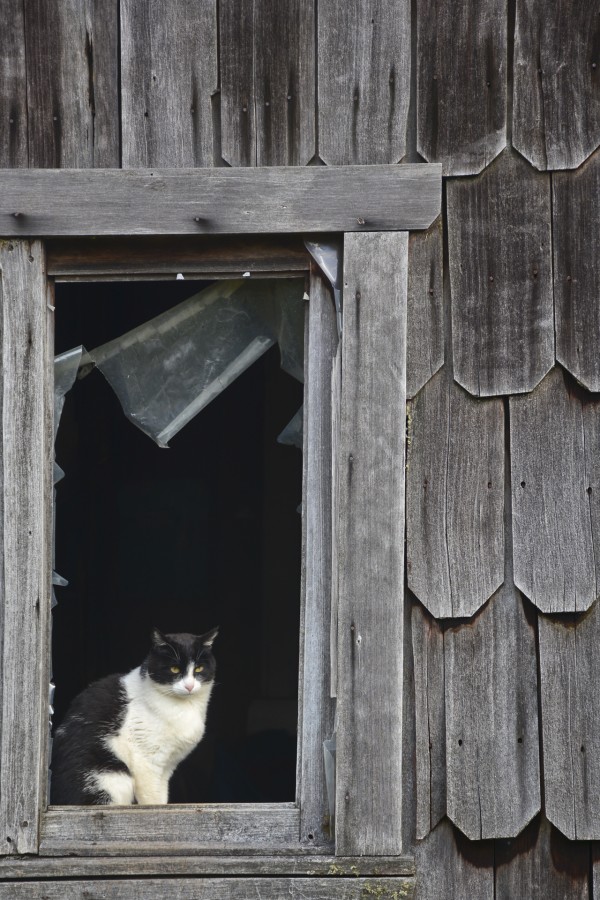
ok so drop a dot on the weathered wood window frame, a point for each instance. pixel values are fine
(367, 470)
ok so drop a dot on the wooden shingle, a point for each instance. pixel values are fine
(461, 83)
(576, 225)
(425, 344)
(166, 83)
(455, 498)
(500, 266)
(556, 113)
(555, 445)
(363, 80)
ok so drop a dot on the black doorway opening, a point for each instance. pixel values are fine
(205, 533)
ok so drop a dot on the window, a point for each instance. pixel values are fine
(365, 470)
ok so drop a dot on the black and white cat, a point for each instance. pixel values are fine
(124, 735)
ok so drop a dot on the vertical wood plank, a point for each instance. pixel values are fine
(455, 498)
(575, 217)
(425, 344)
(284, 73)
(492, 734)
(570, 673)
(461, 83)
(556, 113)
(371, 542)
(168, 76)
(541, 862)
(555, 440)
(13, 87)
(430, 716)
(499, 243)
(72, 83)
(318, 708)
(364, 80)
(236, 63)
(449, 867)
(26, 464)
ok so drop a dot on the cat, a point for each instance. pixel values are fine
(124, 735)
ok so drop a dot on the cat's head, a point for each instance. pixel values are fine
(181, 664)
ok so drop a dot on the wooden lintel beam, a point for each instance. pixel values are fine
(273, 200)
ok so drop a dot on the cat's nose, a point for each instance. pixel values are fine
(189, 685)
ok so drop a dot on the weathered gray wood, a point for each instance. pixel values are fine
(556, 114)
(336, 411)
(225, 864)
(430, 716)
(284, 76)
(500, 264)
(425, 345)
(542, 863)
(230, 256)
(212, 889)
(218, 201)
(370, 546)
(72, 82)
(317, 720)
(13, 87)
(188, 829)
(168, 77)
(409, 735)
(363, 80)
(575, 217)
(451, 868)
(555, 440)
(26, 447)
(236, 66)
(455, 498)
(570, 669)
(492, 737)
(461, 83)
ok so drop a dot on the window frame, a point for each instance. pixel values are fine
(367, 421)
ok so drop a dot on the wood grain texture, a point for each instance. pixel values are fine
(168, 76)
(284, 78)
(430, 715)
(499, 242)
(189, 829)
(425, 345)
(317, 708)
(363, 80)
(370, 546)
(72, 82)
(211, 889)
(451, 868)
(275, 199)
(556, 111)
(224, 864)
(13, 87)
(575, 217)
(236, 67)
(26, 563)
(461, 83)
(555, 440)
(541, 862)
(570, 669)
(492, 734)
(455, 498)
(230, 256)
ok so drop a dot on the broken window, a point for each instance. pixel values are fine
(205, 533)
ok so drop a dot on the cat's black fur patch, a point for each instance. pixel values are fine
(78, 746)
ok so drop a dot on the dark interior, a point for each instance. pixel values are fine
(205, 533)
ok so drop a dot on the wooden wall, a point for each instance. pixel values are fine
(502, 755)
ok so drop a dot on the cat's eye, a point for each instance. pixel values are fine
(199, 669)
(175, 670)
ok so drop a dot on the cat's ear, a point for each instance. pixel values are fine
(158, 638)
(207, 639)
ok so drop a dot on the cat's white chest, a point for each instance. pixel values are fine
(158, 731)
